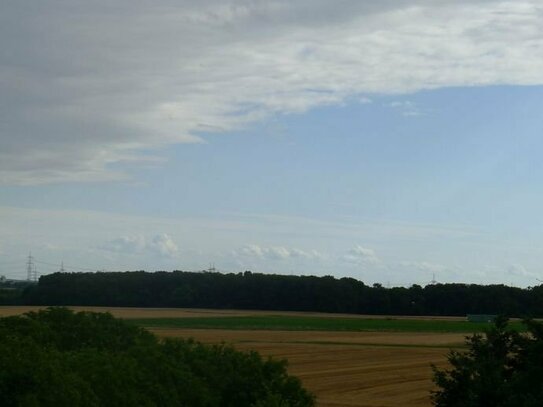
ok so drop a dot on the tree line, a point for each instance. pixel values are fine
(278, 292)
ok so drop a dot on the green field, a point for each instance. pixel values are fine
(300, 323)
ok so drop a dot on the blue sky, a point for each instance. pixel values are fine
(389, 143)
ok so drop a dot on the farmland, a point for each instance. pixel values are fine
(345, 360)
(301, 323)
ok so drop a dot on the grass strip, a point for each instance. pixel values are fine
(363, 344)
(297, 323)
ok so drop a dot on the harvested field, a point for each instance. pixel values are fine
(344, 369)
(360, 376)
(236, 337)
(133, 312)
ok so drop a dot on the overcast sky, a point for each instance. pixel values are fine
(384, 140)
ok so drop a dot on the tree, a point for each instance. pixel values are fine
(502, 368)
(57, 357)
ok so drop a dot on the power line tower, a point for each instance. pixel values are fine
(434, 281)
(61, 270)
(31, 271)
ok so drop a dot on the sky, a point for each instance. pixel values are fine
(397, 141)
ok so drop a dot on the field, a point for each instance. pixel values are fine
(345, 360)
(302, 323)
(133, 313)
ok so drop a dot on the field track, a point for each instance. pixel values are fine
(344, 369)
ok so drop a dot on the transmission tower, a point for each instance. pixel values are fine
(31, 271)
(61, 270)
(434, 281)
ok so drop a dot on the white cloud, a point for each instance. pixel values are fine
(276, 253)
(406, 107)
(87, 86)
(425, 266)
(126, 244)
(77, 238)
(161, 245)
(164, 245)
(362, 255)
(518, 270)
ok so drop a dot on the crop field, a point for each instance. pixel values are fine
(370, 369)
(300, 323)
(139, 313)
(345, 360)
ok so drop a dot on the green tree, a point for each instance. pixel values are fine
(501, 368)
(57, 358)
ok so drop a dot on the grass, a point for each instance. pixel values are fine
(366, 344)
(299, 323)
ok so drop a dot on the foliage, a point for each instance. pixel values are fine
(60, 358)
(302, 323)
(502, 368)
(278, 292)
(11, 291)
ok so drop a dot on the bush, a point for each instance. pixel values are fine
(60, 358)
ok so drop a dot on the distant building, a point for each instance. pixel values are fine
(481, 317)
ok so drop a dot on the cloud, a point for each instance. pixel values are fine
(425, 266)
(361, 255)
(161, 245)
(518, 270)
(276, 253)
(126, 244)
(406, 107)
(164, 245)
(89, 88)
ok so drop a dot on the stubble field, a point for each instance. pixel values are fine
(345, 364)
(343, 369)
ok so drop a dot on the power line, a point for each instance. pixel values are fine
(31, 271)
(12, 275)
(10, 262)
(65, 267)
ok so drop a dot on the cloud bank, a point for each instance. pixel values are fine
(159, 245)
(91, 89)
(276, 253)
(362, 256)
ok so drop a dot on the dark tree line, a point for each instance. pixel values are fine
(279, 292)
(60, 358)
(11, 291)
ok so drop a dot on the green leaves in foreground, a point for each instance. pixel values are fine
(60, 358)
(502, 368)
